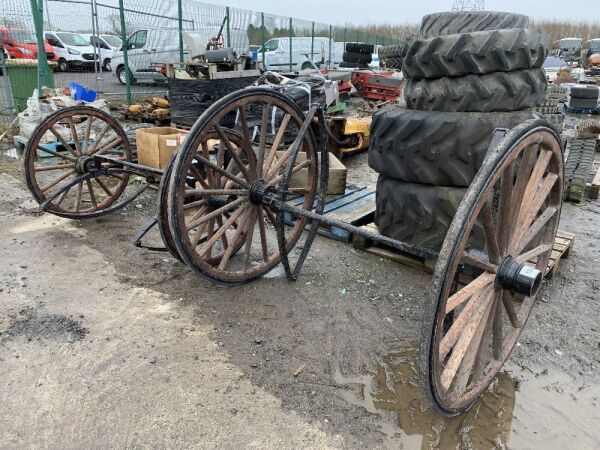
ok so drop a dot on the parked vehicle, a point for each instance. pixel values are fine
(106, 45)
(277, 53)
(591, 47)
(73, 51)
(568, 48)
(149, 50)
(23, 44)
(552, 65)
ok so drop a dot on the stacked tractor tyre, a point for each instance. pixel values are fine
(468, 74)
(357, 55)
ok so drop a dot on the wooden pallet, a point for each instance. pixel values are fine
(563, 243)
(355, 206)
(593, 186)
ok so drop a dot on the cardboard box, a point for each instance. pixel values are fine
(156, 145)
(337, 174)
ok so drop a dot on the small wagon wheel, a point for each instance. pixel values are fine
(210, 142)
(483, 296)
(231, 211)
(82, 133)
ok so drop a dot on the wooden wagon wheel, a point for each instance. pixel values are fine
(230, 210)
(483, 296)
(81, 133)
(210, 142)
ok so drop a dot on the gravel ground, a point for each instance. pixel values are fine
(104, 344)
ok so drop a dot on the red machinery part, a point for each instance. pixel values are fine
(377, 86)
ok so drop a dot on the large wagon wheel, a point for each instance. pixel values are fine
(472, 326)
(230, 207)
(192, 201)
(81, 134)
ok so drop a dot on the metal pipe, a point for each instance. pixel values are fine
(262, 37)
(228, 26)
(95, 45)
(273, 202)
(180, 27)
(291, 31)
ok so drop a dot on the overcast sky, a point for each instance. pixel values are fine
(398, 11)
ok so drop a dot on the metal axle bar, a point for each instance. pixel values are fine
(414, 250)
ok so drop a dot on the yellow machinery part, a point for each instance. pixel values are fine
(160, 102)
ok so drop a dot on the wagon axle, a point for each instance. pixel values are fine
(223, 210)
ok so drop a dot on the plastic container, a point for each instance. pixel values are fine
(23, 76)
(79, 92)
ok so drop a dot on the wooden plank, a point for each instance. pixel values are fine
(222, 75)
(594, 189)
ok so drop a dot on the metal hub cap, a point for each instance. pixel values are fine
(85, 164)
(518, 278)
(258, 189)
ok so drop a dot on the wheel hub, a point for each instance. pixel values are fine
(258, 189)
(518, 278)
(86, 164)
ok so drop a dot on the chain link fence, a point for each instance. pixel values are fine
(84, 42)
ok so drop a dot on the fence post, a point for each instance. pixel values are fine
(37, 10)
(345, 38)
(357, 36)
(180, 25)
(291, 33)
(312, 42)
(262, 37)
(228, 26)
(6, 83)
(330, 65)
(125, 44)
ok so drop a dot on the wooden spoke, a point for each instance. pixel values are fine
(527, 216)
(297, 168)
(209, 173)
(537, 251)
(490, 233)
(196, 238)
(86, 136)
(217, 212)
(535, 228)
(99, 137)
(234, 155)
(224, 241)
(62, 197)
(471, 356)
(465, 316)
(195, 217)
(62, 141)
(249, 235)
(462, 344)
(223, 172)
(270, 215)
(194, 204)
(507, 300)
(55, 167)
(484, 348)
(504, 208)
(263, 140)
(78, 196)
(497, 325)
(247, 142)
(476, 261)
(470, 289)
(92, 194)
(263, 234)
(74, 135)
(104, 186)
(215, 236)
(279, 164)
(199, 178)
(277, 142)
(57, 180)
(237, 235)
(112, 144)
(54, 153)
(209, 192)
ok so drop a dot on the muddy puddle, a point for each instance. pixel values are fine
(520, 410)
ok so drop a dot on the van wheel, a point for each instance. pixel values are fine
(63, 65)
(121, 76)
(106, 65)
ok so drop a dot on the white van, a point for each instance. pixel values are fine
(277, 53)
(106, 45)
(72, 50)
(149, 50)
